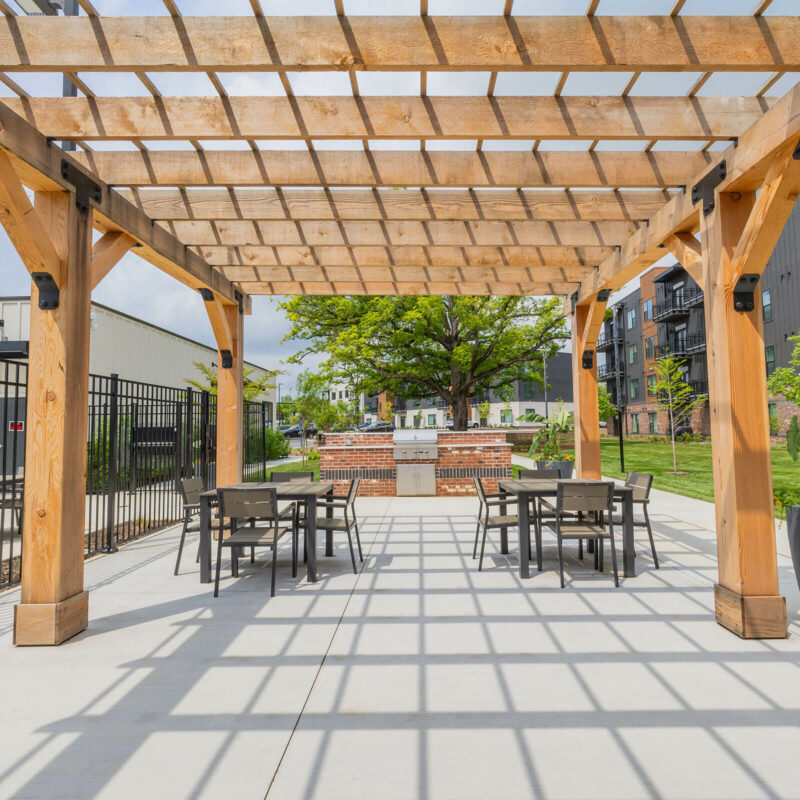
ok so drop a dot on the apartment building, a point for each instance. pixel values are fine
(527, 396)
(665, 316)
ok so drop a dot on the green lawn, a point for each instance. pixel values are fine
(694, 458)
(297, 466)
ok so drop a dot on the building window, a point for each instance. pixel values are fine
(769, 352)
(631, 353)
(506, 417)
(650, 347)
(634, 388)
(773, 418)
(631, 318)
(653, 419)
(647, 309)
(766, 304)
(432, 419)
(634, 422)
(651, 384)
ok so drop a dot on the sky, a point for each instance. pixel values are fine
(137, 288)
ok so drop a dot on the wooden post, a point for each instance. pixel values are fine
(54, 605)
(226, 321)
(747, 599)
(584, 391)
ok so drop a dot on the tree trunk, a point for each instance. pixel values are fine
(460, 412)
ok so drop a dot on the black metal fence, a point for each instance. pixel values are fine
(13, 398)
(142, 439)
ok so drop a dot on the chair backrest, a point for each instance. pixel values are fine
(190, 489)
(285, 477)
(584, 496)
(353, 490)
(479, 489)
(537, 474)
(247, 503)
(641, 483)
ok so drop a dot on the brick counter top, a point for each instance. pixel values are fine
(462, 455)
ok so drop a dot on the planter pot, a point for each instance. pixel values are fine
(565, 468)
(793, 529)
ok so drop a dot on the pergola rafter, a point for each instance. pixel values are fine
(509, 189)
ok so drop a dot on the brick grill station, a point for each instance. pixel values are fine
(461, 456)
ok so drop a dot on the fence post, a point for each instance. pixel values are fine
(111, 489)
(178, 451)
(204, 437)
(264, 437)
(188, 461)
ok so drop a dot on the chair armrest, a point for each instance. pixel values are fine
(188, 506)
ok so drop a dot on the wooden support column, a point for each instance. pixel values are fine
(226, 320)
(54, 605)
(586, 323)
(747, 599)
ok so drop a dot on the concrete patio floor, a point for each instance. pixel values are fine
(418, 678)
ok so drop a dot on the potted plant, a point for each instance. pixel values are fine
(546, 441)
(786, 381)
(483, 413)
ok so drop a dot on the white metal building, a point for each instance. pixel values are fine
(133, 349)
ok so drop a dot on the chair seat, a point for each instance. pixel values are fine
(331, 524)
(502, 521)
(579, 530)
(255, 536)
(193, 527)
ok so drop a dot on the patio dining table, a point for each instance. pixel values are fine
(534, 488)
(307, 492)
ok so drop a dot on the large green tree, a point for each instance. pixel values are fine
(432, 346)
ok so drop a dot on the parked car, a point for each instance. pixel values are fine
(449, 424)
(378, 427)
(603, 424)
(293, 431)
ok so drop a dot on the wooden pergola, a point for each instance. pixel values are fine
(501, 192)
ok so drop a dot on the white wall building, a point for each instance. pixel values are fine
(133, 349)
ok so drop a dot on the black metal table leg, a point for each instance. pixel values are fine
(311, 538)
(524, 527)
(205, 540)
(628, 560)
(328, 531)
(504, 529)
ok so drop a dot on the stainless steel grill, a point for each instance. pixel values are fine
(416, 445)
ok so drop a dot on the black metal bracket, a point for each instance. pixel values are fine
(48, 290)
(573, 301)
(603, 295)
(796, 154)
(587, 360)
(206, 294)
(744, 291)
(227, 359)
(85, 188)
(705, 188)
(240, 301)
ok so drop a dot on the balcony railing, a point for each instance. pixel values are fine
(699, 387)
(607, 341)
(675, 346)
(608, 371)
(677, 304)
(696, 343)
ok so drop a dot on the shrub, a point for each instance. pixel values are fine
(277, 444)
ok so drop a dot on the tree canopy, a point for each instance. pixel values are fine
(429, 346)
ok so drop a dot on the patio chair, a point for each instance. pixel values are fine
(190, 493)
(486, 521)
(299, 509)
(254, 506)
(541, 513)
(641, 483)
(344, 523)
(591, 501)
